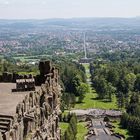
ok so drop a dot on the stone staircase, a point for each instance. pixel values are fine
(5, 122)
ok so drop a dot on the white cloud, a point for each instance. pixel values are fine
(68, 8)
(6, 2)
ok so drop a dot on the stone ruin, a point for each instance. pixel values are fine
(24, 85)
(36, 115)
(12, 77)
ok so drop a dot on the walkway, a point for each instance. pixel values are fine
(100, 131)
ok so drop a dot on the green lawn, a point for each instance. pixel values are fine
(24, 58)
(27, 73)
(81, 130)
(91, 101)
(120, 130)
(86, 65)
(63, 127)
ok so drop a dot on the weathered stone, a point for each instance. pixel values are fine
(45, 67)
(1, 136)
(36, 116)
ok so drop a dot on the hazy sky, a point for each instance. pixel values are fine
(40, 9)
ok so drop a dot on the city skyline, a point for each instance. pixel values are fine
(44, 9)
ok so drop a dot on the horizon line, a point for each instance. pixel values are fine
(66, 18)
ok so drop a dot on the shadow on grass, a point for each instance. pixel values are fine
(102, 100)
(95, 98)
(106, 101)
(80, 102)
(130, 138)
(93, 90)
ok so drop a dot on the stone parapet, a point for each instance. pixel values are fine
(36, 116)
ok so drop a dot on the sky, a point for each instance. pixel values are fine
(44, 9)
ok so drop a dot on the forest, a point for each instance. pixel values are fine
(120, 78)
(112, 75)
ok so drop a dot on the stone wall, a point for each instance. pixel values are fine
(24, 85)
(36, 117)
(12, 77)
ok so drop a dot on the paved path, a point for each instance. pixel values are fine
(101, 132)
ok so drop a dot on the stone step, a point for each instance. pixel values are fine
(2, 127)
(5, 123)
(5, 118)
(2, 131)
(107, 131)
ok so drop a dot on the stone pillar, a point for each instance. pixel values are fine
(21, 129)
(1, 136)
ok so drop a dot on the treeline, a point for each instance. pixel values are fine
(120, 78)
(73, 81)
(131, 119)
(130, 54)
(116, 78)
(11, 66)
(71, 131)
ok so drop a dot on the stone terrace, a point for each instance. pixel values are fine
(8, 99)
(32, 114)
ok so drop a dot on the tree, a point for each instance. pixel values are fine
(113, 76)
(134, 106)
(101, 87)
(137, 83)
(82, 90)
(68, 100)
(120, 100)
(124, 120)
(73, 124)
(70, 133)
(130, 80)
(110, 90)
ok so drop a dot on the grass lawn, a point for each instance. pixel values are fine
(86, 65)
(120, 130)
(24, 73)
(30, 58)
(25, 58)
(91, 101)
(81, 130)
(63, 126)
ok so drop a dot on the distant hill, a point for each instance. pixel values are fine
(80, 23)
